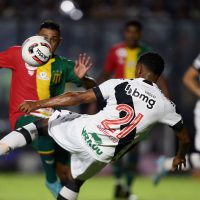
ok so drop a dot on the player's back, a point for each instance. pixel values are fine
(129, 103)
(133, 107)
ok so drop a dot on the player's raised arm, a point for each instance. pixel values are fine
(82, 65)
(66, 99)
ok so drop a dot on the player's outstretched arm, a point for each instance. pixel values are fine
(184, 142)
(66, 99)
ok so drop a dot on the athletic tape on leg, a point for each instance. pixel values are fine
(68, 194)
(32, 129)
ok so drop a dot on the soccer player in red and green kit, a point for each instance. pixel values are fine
(41, 83)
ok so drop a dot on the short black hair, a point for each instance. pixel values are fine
(135, 23)
(50, 24)
(153, 61)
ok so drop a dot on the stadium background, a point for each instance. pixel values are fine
(171, 28)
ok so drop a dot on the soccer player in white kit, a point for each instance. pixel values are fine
(133, 107)
(191, 80)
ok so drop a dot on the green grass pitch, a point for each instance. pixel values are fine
(26, 187)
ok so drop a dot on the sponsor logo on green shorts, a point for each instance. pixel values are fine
(93, 141)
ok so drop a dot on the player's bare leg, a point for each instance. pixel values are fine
(63, 172)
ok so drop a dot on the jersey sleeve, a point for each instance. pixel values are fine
(196, 63)
(171, 116)
(104, 90)
(110, 61)
(70, 75)
(7, 59)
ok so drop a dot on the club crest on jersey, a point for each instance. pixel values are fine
(57, 77)
(121, 54)
(43, 76)
(93, 141)
(135, 93)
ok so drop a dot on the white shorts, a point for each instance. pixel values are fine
(65, 129)
(197, 125)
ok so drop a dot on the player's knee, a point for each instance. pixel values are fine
(42, 126)
(29, 132)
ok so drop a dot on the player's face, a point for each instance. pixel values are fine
(52, 36)
(132, 36)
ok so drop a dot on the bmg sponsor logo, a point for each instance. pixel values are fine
(149, 101)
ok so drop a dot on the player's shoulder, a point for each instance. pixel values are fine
(169, 105)
(145, 48)
(65, 61)
(111, 83)
(113, 80)
(117, 46)
(14, 49)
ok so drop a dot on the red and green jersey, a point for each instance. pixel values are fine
(121, 60)
(44, 82)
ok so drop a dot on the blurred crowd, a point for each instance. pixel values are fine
(103, 9)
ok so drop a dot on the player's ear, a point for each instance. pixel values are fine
(138, 70)
(60, 40)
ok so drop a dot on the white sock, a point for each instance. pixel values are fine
(16, 139)
(195, 160)
(118, 181)
(168, 164)
(68, 194)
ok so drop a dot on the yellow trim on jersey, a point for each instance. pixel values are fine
(43, 80)
(46, 152)
(131, 60)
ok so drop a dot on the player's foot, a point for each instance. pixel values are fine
(4, 149)
(118, 192)
(130, 196)
(54, 188)
(133, 197)
(160, 170)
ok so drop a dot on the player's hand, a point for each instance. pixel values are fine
(82, 65)
(28, 106)
(178, 163)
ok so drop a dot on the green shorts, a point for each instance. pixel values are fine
(45, 145)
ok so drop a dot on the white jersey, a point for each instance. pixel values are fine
(196, 63)
(132, 108)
